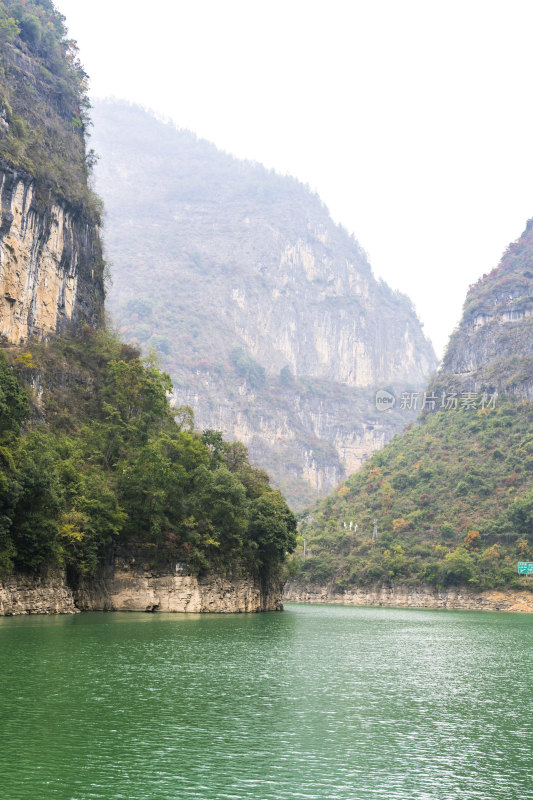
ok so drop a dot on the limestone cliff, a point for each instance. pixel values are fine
(51, 268)
(50, 262)
(30, 594)
(133, 578)
(265, 313)
(309, 434)
(133, 588)
(124, 590)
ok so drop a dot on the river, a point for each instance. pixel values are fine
(318, 702)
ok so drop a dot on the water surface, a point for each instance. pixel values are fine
(318, 702)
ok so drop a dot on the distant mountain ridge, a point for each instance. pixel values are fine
(265, 313)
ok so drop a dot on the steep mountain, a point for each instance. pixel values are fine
(265, 313)
(450, 501)
(109, 499)
(492, 349)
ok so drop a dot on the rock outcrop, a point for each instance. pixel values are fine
(30, 594)
(50, 262)
(453, 597)
(51, 267)
(146, 591)
(127, 589)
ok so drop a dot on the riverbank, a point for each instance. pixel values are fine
(124, 590)
(121, 590)
(453, 597)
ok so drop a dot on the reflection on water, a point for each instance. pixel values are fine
(319, 702)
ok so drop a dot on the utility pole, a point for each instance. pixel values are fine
(375, 531)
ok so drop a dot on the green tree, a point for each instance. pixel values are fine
(219, 502)
(272, 528)
(520, 515)
(458, 566)
(14, 406)
(35, 520)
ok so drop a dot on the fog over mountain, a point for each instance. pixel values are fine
(265, 313)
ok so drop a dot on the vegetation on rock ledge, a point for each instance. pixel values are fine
(43, 102)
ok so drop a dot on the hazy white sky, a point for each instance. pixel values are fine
(411, 118)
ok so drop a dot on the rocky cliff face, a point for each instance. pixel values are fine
(264, 312)
(492, 349)
(132, 581)
(309, 434)
(50, 262)
(124, 588)
(51, 268)
(28, 594)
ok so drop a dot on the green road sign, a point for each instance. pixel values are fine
(525, 567)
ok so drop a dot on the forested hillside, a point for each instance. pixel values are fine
(98, 458)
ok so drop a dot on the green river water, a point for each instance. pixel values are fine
(318, 702)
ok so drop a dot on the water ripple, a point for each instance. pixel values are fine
(319, 702)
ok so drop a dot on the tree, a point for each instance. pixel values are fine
(272, 528)
(520, 514)
(472, 540)
(285, 376)
(458, 566)
(14, 406)
(34, 526)
(218, 503)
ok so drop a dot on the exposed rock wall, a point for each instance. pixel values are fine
(412, 597)
(313, 441)
(26, 594)
(50, 263)
(125, 590)
(182, 593)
